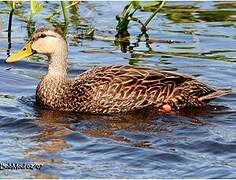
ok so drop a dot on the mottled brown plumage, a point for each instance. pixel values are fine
(119, 89)
(112, 89)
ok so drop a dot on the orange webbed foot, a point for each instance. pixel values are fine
(166, 109)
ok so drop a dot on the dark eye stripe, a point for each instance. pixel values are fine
(52, 35)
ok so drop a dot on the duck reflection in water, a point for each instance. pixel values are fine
(55, 126)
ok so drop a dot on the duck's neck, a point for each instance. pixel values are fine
(57, 64)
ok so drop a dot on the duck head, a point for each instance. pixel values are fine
(46, 41)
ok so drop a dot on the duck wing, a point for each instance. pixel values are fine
(115, 89)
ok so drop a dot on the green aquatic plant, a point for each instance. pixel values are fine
(154, 13)
(63, 10)
(35, 8)
(65, 13)
(13, 7)
(126, 15)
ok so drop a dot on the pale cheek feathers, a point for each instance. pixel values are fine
(43, 47)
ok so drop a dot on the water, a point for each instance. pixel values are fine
(197, 38)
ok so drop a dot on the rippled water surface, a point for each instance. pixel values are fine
(197, 38)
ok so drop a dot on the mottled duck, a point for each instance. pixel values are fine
(109, 89)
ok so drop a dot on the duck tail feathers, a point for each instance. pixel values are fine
(217, 93)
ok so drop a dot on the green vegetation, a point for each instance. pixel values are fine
(124, 18)
(127, 15)
(13, 7)
(36, 8)
(135, 18)
(129, 10)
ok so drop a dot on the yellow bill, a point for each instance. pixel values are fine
(24, 52)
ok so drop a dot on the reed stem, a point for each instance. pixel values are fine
(154, 13)
(13, 6)
(65, 13)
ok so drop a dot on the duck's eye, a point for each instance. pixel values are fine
(42, 35)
